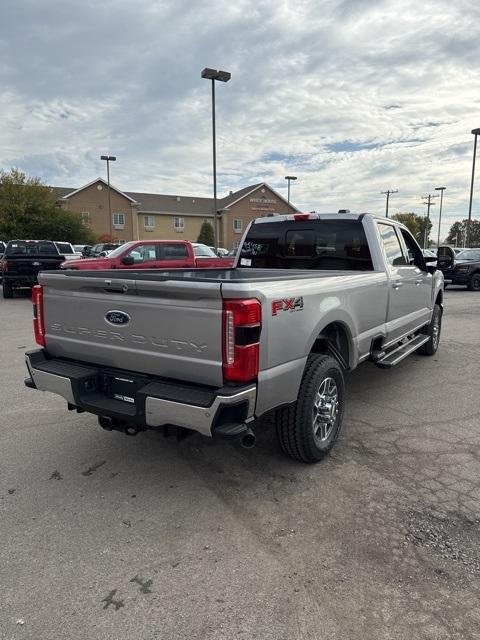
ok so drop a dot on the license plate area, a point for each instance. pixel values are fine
(122, 387)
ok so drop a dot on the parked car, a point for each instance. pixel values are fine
(310, 298)
(153, 254)
(23, 260)
(68, 250)
(96, 250)
(428, 253)
(2, 251)
(220, 251)
(462, 268)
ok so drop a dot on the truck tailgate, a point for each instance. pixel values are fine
(30, 266)
(164, 328)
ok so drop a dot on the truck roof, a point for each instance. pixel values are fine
(322, 216)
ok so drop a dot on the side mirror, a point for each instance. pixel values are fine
(431, 268)
(446, 257)
(128, 260)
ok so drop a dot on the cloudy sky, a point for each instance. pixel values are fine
(352, 96)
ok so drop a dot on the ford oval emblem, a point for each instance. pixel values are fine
(117, 318)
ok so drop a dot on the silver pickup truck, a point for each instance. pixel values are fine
(311, 296)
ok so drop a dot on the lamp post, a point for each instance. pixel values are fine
(441, 189)
(475, 132)
(222, 76)
(108, 160)
(289, 179)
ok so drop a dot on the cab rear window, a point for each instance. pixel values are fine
(307, 244)
(30, 248)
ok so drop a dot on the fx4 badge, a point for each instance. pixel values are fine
(287, 304)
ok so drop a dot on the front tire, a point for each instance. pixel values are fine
(308, 429)
(474, 282)
(433, 330)
(7, 290)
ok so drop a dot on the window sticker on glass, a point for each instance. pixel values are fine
(245, 262)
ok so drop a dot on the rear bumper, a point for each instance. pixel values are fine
(19, 280)
(151, 403)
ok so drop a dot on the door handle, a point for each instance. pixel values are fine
(419, 281)
(397, 285)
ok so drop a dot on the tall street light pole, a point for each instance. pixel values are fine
(475, 132)
(441, 189)
(289, 179)
(388, 194)
(108, 160)
(222, 76)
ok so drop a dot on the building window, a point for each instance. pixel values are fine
(179, 224)
(149, 223)
(85, 216)
(238, 225)
(119, 220)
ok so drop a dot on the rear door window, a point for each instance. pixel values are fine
(174, 251)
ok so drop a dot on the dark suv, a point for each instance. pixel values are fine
(97, 249)
(463, 268)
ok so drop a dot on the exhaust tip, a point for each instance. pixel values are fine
(248, 440)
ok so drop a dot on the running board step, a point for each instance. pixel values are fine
(392, 358)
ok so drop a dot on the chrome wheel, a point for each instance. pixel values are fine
(325, 409)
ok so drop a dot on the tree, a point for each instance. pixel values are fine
(206, 235)
(458, 233)
(28, 210)
(415, 224)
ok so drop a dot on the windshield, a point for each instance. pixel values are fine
(202, 251)
(64, 247)
(469, 254)
(119, 250)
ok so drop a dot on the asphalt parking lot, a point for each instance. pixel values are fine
(106, 536)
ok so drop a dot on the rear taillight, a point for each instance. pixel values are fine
(38, 315)
(242, 323)
(4, 266)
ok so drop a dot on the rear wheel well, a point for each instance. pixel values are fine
(334, 340)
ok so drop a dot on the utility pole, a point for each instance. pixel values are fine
(429, 204)
(388, 193)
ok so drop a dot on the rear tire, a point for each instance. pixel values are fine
(7, 290)
(433, 330)
(474, 282)
(308, 429)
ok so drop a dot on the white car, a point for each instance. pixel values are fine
(66, 249)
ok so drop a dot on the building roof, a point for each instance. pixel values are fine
(176, 204)
(158, 202)
(85, 186)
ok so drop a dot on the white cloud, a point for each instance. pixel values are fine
(353, 97)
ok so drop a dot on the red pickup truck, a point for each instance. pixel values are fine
(154, 254)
